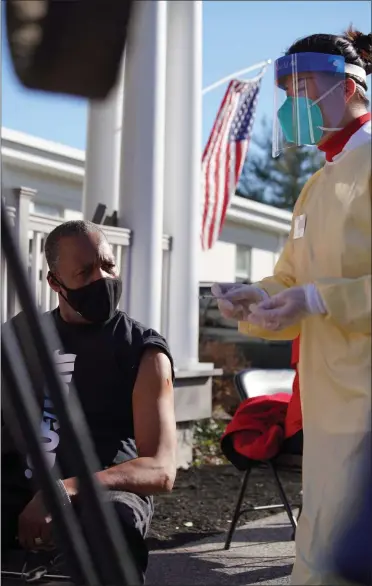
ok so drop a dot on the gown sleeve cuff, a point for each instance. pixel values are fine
(314, 301)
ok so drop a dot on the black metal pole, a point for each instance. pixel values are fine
(101, 525)
(20, 396)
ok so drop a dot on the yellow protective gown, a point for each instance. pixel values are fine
(335, 357)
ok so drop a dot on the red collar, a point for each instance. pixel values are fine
(334, 145)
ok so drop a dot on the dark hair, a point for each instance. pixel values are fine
(354, 46)
(71, 228)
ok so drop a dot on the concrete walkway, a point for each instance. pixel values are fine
(261, 553)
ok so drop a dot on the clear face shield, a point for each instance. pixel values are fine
(309, 99)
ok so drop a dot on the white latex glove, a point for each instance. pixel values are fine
(287, 308)
(234, 299)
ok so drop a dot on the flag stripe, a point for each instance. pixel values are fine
(231, 174)
(207, 159)
(222, 158)
(214, 175)
(224, 155)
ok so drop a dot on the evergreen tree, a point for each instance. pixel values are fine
(276, 181)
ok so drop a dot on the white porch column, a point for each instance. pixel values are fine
(183, 154)
(102, 164)
(142, 168)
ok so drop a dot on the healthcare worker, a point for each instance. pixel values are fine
(321, 287)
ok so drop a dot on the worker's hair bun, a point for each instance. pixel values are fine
(363, 46)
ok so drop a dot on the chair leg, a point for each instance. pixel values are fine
(298, 518)
(237, 509)
(283, 496)
(299, 513)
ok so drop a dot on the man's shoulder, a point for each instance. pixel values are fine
(138, 335)
(124, 324)
(19, 321)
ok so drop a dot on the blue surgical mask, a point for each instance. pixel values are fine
(308, 121)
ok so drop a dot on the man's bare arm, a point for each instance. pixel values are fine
(154, 470)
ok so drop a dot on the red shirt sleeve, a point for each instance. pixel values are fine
(293, 421)
(295, 358)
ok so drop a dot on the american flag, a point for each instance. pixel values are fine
(224, 155)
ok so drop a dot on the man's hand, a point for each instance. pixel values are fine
(34, 525)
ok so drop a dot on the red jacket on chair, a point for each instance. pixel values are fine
(261, 424)
(256, 430)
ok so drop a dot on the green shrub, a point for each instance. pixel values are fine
(207, 437)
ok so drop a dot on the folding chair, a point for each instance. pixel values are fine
(255, 383)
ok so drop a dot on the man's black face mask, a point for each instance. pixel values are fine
(95, 302)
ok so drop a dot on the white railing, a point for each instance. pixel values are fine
(37, 227)
(8, 301)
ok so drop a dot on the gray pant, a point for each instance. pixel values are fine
(135, 514)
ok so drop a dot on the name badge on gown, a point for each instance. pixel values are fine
(299, 226)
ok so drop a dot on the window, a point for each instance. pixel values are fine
(243, 263)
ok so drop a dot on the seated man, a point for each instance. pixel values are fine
(123, 375)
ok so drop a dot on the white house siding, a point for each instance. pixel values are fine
(218, 264)
(52, 191)
(265, 247)
(263, 263)
(246, 235)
